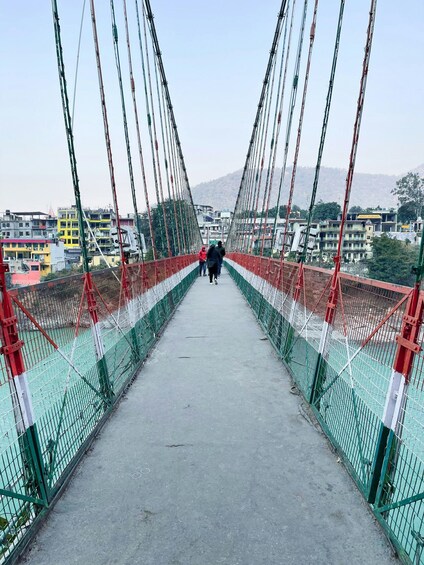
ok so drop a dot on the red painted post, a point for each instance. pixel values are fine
(11, 349)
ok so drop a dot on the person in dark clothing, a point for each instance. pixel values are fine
(213, 258)
(221, 251)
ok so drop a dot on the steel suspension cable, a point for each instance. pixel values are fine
(252, 180)
(291, 111)
(74, 95)
(109, 148)
(69, 135)
(196, 233)
(88, 290)
(154, 137)
(125, 121)
(275, 121)
(271, 169)
(262, 147)
(303, 256)
(334, 293)
(176, 184)
(299, 128)
(165, 158)
(171, 164)
(266, 200)
(356, 130)
(253, 177)
(277, 34)
(137, 124)
(149, 121)
(171, 174)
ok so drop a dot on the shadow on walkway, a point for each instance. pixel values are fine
(210, 460)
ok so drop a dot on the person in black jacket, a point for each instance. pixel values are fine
(221, 251)
(213, 256)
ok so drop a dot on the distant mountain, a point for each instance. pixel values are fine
(419, 170)
(367, 189)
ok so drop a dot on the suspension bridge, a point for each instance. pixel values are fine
(273, 418)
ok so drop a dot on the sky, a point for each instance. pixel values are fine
(215, 54)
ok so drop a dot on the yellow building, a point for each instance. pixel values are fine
(100, 222)
(47, 254)
(67, 227)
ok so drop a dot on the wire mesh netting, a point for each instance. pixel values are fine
(348, 380)
(76, 366)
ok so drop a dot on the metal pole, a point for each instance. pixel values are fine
(11, 348)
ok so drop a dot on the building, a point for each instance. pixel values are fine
(214, 224)
(356, 244)
(203, 209)
(67, 227)
(27, 225)
(13, 226)
(381, 220)
(44, 225)
(98, 234)
(30, 259)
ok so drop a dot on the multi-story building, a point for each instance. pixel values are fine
(214, 224)
(28, 225)
(203, 209)
(67, 227)
(98, 234)
(30, 259)
(43, 225)
(381, 220)
(10, 225)
(356, 244)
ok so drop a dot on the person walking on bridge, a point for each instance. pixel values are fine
(221, 251)
(202, 261)
(213, 257)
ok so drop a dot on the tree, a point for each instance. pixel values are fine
(326, 211)
(410, 190)
(296, 212)
(407, 213)
(180, 227)
(392, 261)
(355, 210)
(9, 280)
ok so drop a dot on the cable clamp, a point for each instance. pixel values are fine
(6, 322)
(403, 342)
(411, 321)
(8, 349)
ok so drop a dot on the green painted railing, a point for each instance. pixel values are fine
(347, 389)
(72, 389)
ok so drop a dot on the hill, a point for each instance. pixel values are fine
(367, 190)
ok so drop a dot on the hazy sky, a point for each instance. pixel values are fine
(215, 54)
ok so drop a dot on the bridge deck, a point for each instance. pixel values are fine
(209, 459)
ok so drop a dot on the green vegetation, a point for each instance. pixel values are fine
(296, 212)
(326, 211)
(180, 223)
(392, 261)
(8, 280)
(356, 210)
(407, 213)
(410, 192)
(69, 272)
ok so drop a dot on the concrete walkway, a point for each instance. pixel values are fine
(209, 459)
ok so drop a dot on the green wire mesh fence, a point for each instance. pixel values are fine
(348, 391)
(73, 389)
